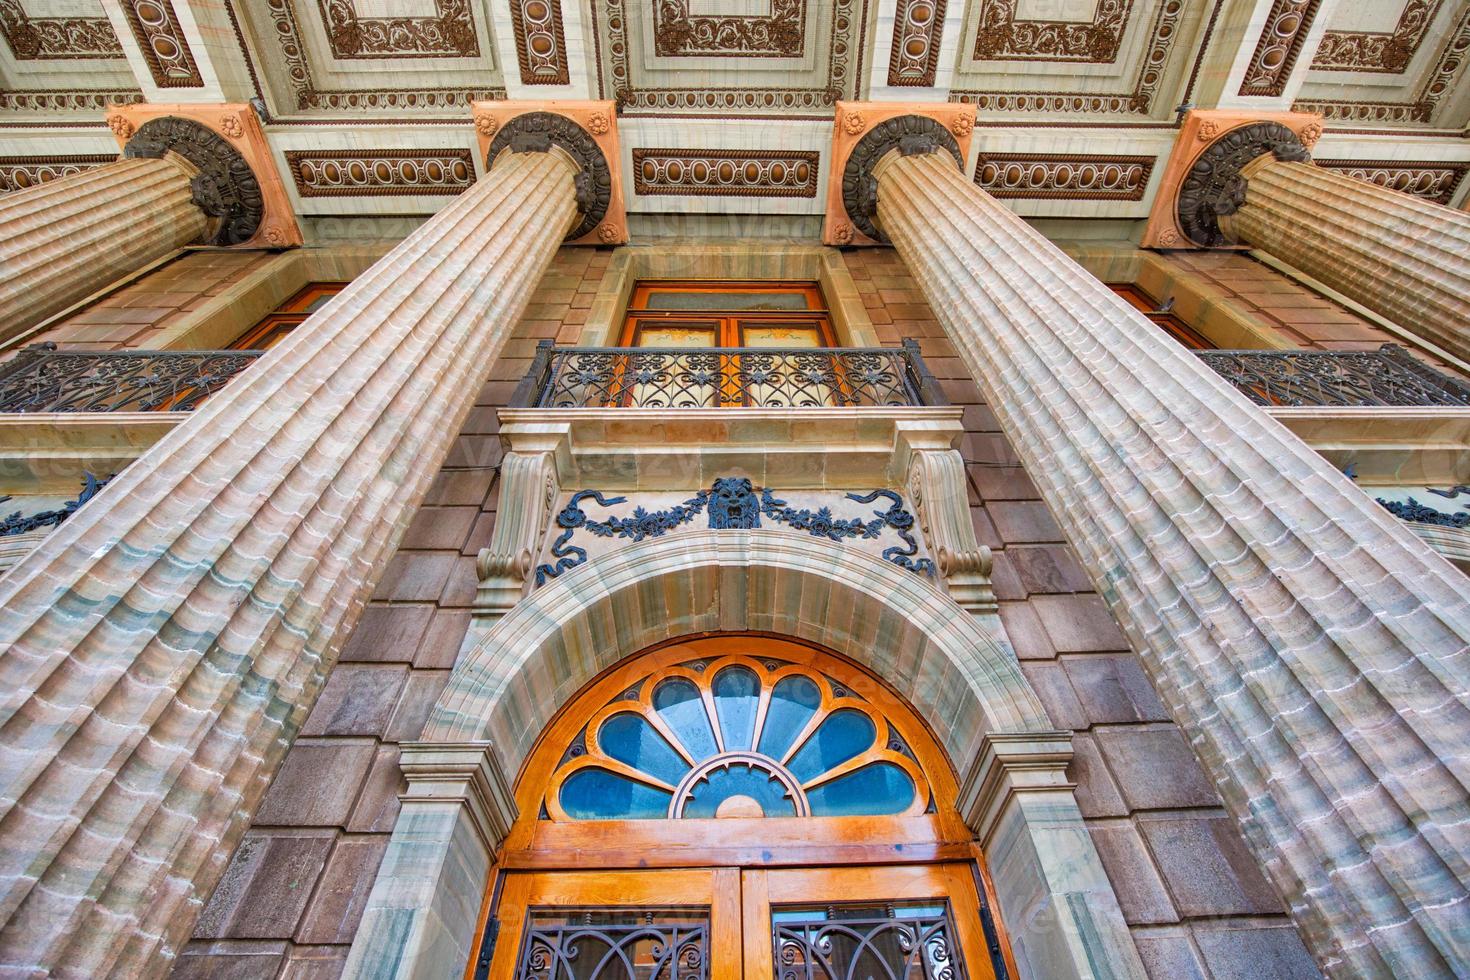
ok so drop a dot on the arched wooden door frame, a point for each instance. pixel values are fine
(955, 669)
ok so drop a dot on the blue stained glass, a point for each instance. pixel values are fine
(739, 780)
(630, 738)
(678, 703)
(876, 789)
(794, 700)
(842, 735)
(596, 794)
(737, 694)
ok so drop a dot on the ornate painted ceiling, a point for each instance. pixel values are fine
(726, 105)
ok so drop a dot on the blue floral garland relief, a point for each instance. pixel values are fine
(1413, 510)
(732, 502)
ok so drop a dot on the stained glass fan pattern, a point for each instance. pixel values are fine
(736, 737)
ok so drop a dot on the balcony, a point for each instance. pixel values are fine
(1387, 377)
(43, 379)
(727, 377)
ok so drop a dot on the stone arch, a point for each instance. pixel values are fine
(960, 676)
(956, 670)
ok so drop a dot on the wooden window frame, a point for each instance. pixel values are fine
(289, 315)
(1170, 323)
(729, 329)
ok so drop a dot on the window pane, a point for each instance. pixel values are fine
(876, 789)
(737, 694)
(678, 702)
(843, 735)
(596, 794)
(739, 790)
(682, 336)
(891, 940)
(615, 944)
(733, 301)
(780, 335)
(794, 700)
(630, 738)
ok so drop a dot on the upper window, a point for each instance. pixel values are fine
(287, 317)
(736, 736)
(706, 314)
(1170, 322)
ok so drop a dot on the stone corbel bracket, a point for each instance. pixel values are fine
(938, 491)
(865, 132)
(222, 141)
(1204, 169)
(529, 486)
(600, 183)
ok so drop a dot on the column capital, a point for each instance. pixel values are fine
(587, 132)
(1203, 180)
(1009, 763)
(863, 133)
(237, 183)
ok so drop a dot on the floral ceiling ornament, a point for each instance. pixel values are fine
(854, 123)
(842, 235)
(486, 125)
(1310, 134)
(120, 126)
(609, 233)
(232, 127)
(962, 125)
(1208, 130)
(598, 124)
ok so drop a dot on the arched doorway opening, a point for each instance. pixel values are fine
(738, 806)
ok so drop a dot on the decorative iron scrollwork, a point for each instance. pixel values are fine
(1387, 376)
(910, 136)
(648, 943)
(225, 186)
(44, 379)
(643, 377)
(18, 523)
(537, 132)
(1214, 186)
(733, 503)
(841, 944)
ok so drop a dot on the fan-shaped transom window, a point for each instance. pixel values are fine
(737, 736)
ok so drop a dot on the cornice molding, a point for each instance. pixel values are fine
(56, 38)
(1287, 25)
(1378, 51)
(1001, 36)
(541, 43)
(1431, 180)
(161, 40)
(19, 172)
(381, 173)
(918, 27)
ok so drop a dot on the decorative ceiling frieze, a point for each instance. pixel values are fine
(286, 32)
(1439, 83)
(760, 80)
(1002, 36)
(380, 173)
(450, 33)
(1432, 180)
(73, 100)
(726, 173)
(162, 41)
(18, 173)
(541, 44)
(1163, 33)
(49, 38)
(1378, 51)
(1064, 176)
(918, 26)
(679, 33)
(1282, 36)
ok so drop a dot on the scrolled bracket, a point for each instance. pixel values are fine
(538, 132)
(910, 136)
(1215, 186)
(225, 187)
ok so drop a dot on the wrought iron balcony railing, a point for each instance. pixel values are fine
(1387, 376)
(43, 379)
(727, 377)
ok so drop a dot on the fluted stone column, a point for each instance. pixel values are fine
(65, 239)
(162, 648)
(1316, 653)
(1402, 257)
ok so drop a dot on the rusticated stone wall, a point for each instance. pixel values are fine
(291, 900)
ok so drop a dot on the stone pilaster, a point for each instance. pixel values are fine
(1313, 649)
(1402, 257)
(162, 648)
(63, 240)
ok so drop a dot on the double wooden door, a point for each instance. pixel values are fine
(911, 922)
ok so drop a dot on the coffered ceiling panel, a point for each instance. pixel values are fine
(60, 56)
(1396, 62)
(325, 57)
(1116, 59)
(729, 56)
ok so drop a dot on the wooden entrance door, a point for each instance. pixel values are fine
(917, 922)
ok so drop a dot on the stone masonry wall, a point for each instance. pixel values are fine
(291, 899)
